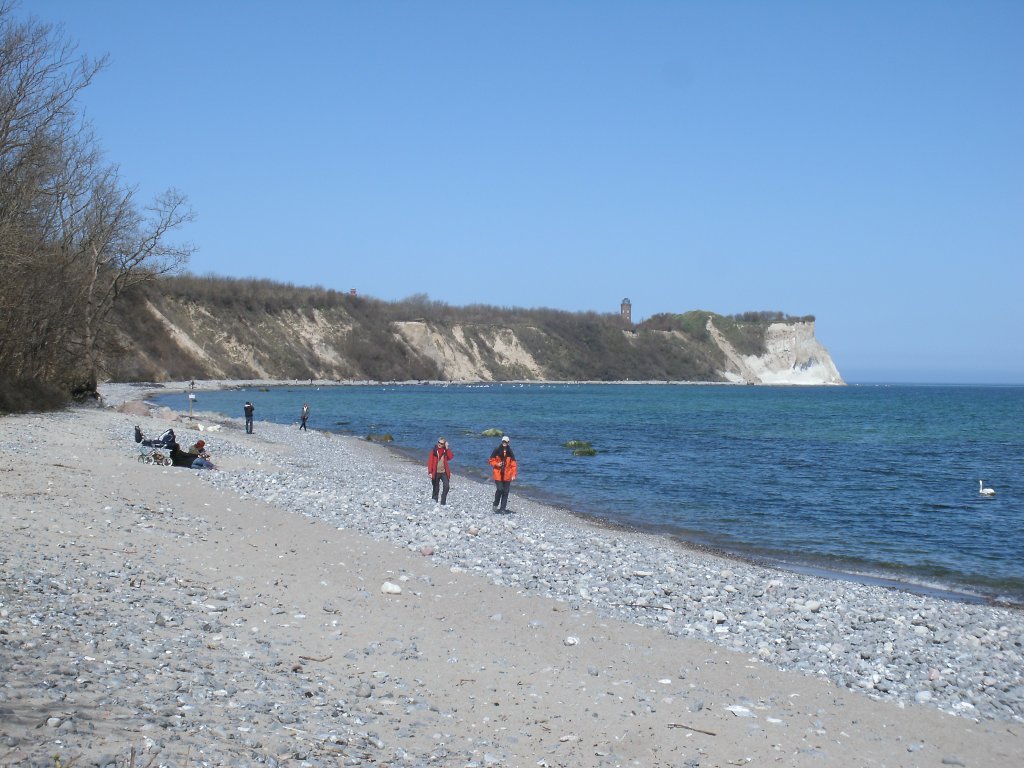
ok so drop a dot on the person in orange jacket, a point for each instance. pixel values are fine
(438, 469)
(503, 470)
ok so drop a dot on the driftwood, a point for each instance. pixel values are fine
(313, 658)
(691, 728)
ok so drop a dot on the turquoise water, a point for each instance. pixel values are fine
(879, 482)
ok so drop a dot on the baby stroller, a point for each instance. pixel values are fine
(155, 451)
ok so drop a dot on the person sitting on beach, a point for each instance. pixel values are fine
(180, 458)
(202, 460)
(191, 458)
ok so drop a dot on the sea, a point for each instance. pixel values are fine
(873, 483)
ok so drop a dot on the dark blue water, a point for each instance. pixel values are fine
(874, 481)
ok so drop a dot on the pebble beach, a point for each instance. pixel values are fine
(308, 604)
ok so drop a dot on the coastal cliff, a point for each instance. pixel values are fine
(793, 355)
(239, 331)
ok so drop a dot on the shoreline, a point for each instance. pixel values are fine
(307, 604)
(660, 547)
(218, 384)
(847, 572)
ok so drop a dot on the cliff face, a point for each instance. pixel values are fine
(463, 356)
(794, 356)
(171, 338)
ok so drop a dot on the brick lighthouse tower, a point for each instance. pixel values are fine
(626, 311)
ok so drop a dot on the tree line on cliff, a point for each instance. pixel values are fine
(188, 326)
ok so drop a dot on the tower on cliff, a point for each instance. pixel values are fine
(626, 311)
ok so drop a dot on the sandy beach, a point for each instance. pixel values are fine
(307, 604)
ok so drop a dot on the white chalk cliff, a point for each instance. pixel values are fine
(793, 356)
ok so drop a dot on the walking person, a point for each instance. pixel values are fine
(304, 415)
(248, 409)
(503, 470)
(438, 469)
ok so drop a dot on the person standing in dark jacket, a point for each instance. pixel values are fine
(304, 416)
(438, 469)
(248, 409)
(503, 470)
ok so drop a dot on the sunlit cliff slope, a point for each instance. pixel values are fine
(211, 328)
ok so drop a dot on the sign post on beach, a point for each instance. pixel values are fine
(191, 399)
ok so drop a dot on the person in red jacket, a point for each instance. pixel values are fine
(503, 470)
(438, 469)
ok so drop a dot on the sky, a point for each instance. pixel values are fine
(862, 162)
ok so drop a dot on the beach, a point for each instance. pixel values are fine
(308, 604)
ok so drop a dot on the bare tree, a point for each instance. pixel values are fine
(40, 77)
(121, 248)
(72, 238)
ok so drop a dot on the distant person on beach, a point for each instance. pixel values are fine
(438, 469)
(202, 456)
(191, 458)
(503, 470)
(248, 408)
(304, 416)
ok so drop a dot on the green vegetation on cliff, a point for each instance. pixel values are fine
(211, 327)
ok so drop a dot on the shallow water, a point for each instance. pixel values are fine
(880, 481)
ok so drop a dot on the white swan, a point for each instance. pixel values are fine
(985, 491)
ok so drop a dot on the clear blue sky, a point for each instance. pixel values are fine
(859, 161)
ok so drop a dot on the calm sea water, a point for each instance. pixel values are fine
(876, 482)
